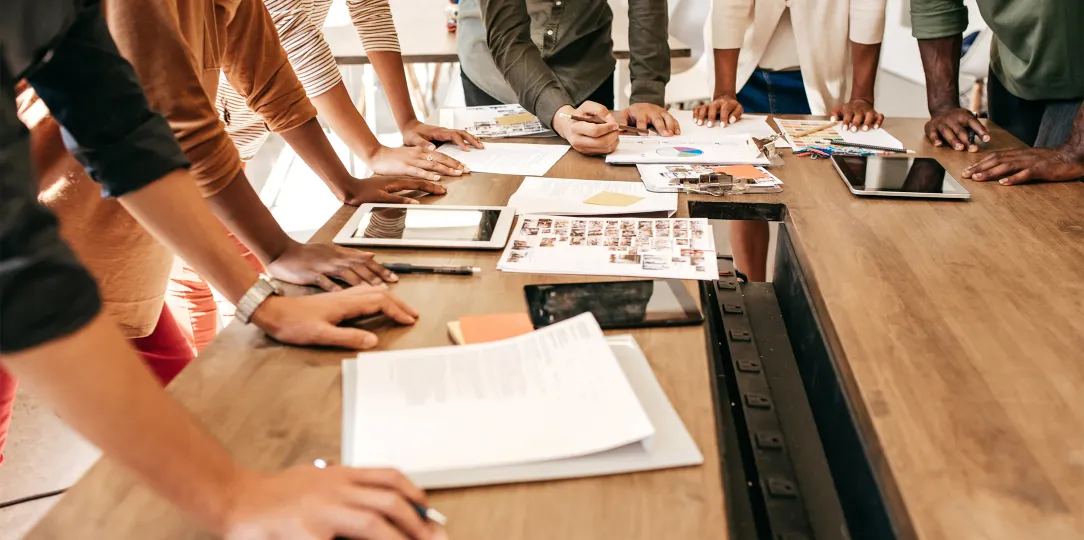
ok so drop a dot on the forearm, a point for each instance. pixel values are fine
(726, 72)
(865, 59)
(1075, 143)
(114, 401)
(389, 67)
(173, 210)
(649, 51)
(310, 142)
(941, 63)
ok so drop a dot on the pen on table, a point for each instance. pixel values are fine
(431, 514)
(596, 120)
(407, 268)
(873, 147)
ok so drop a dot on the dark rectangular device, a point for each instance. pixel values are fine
(615, 304)
(884, 176)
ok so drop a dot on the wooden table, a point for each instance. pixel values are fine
(424, 38)
(957, 325)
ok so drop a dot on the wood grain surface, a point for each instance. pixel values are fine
(423, 35)
(957, 325)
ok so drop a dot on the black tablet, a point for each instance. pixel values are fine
(883, 176)
(615, 304)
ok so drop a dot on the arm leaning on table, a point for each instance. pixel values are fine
(508, 33)
(866, 28)
(649, 68)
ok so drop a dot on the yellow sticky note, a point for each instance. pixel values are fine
(609, 198)
(513, 119)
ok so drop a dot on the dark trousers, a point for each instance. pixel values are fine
(1041, 124)
(476, 97)
(774, 92)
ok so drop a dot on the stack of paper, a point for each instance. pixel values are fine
(493, 121)
(728, 150)
(508, 158)
(749, 124)
(566, 197)
(669, 178)
(874, 137)
(654, 248)
(560, 402)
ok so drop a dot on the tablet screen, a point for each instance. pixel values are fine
(618, 304)
(428, 223)
(897, 175)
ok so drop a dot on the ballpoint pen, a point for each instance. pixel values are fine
(430, 513)
(407, 268)
(597, 120)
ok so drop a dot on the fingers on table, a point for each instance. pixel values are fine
(441, 163)
(391, 479)
(470, 139)
(371, 300)
(1010, 168)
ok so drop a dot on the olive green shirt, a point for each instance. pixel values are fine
(1038, 46)
(551, 53)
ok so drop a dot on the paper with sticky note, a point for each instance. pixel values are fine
(744, 171)
(493, 327)
(570, 197)
(513, 119)
(609, 198)
(674, 178)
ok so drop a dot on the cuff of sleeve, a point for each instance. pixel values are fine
(146, 154)
(58, 300)
(938, 23)
(287, 112)
(867, 25)
(547, 104)
(647, 91)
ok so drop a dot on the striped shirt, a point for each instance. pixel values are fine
(300, 27)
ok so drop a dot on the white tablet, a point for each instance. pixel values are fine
(883, 176)
(435, 226)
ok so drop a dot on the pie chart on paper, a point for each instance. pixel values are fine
(679, 151)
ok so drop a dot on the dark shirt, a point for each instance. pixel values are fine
(64, 50)
(558, 52)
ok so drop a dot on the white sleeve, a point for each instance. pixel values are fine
(302, 36)
(730, 19)
(373, 21)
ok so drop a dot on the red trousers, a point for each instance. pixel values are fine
(166, 351)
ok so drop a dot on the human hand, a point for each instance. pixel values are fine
(585, 137)
(1011, 167)
(858, 114)
(422, 135)
(316, 264)
(309, 503)
(382, 190)
(414, 161)
(725, 108)
(950, 126)
(314, 319)
(645, 115)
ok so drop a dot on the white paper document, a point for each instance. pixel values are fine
(493, 121)
(553, 394)
(671, 178)
(633, 247)
(567, 197)
(731, 149)
(875, 137)
(519, 159)
(749, 124)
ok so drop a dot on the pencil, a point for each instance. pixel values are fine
(597, 120)
(873, 147)
(811, 131)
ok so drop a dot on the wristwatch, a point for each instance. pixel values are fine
(254, 297)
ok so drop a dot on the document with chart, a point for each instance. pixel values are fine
(728, 150)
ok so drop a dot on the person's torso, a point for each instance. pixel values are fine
(1038, 46)
(573, 36)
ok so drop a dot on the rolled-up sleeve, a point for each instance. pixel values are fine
(649, 51)
(299, 25)
(256, 65)
(730, 20)
(93, 93)
(867, 21)
(932, 19)
(373, 21)
(508, 34)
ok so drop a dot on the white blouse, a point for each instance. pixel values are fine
(823, 31)
(300, 25)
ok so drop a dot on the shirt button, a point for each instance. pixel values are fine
(558, 2)
(549, 32)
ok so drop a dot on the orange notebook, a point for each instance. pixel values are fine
(490, 327)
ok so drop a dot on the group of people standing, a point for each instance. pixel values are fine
(157, 103)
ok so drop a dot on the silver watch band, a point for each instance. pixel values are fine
(254, 297)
